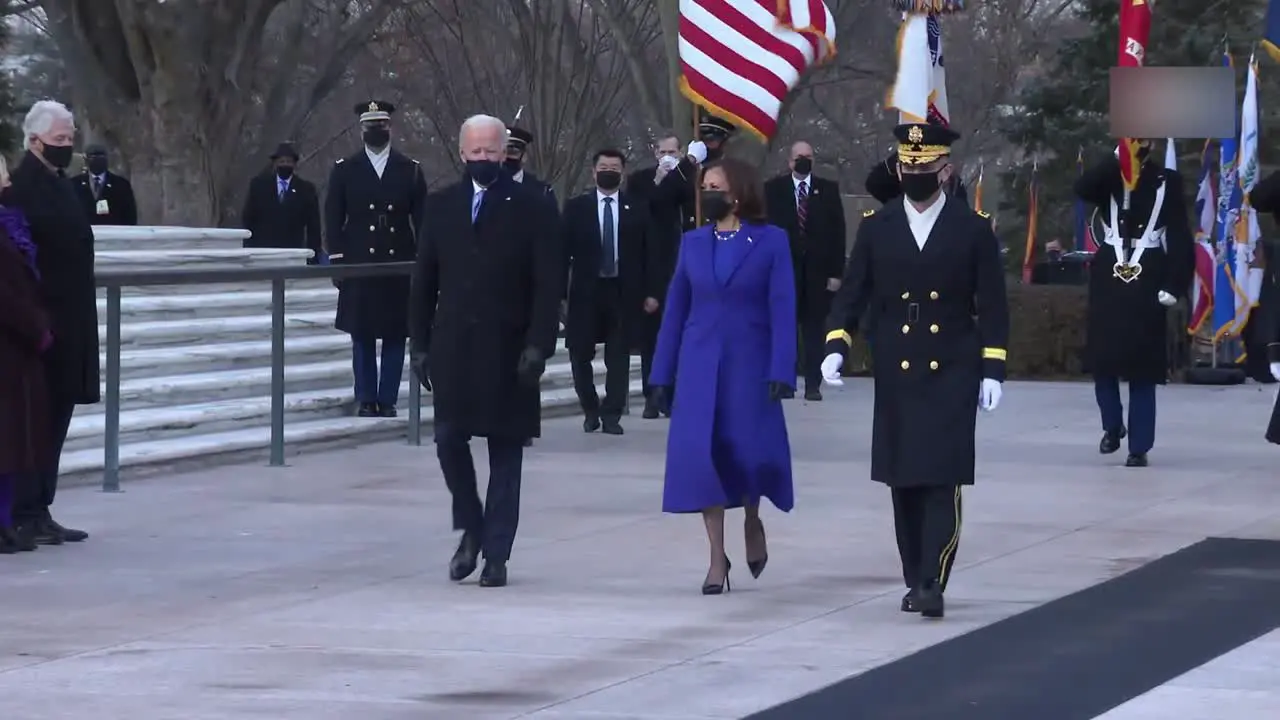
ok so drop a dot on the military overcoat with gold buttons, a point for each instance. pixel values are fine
(942, 325)
(374, 220)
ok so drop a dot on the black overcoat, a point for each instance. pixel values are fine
(63, 237)
(482, 294)
(121, 207)
(817, 251)
(24, 401)
(672, 207)
(374, 220)
(1126, 333)
(638, 274)
(288, 221)
(942, 319)
(1265, 198)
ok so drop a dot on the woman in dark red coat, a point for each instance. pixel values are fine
(24, 336)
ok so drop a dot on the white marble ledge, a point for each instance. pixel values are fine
(175, 259)
(209, 303)
(108, 233)
(206, 330)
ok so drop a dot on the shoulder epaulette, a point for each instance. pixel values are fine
(983, 214)
(868, 213)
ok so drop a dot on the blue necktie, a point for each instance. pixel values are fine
(475, 205)
(609, 259)
(280, 193)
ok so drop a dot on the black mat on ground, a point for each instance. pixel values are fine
(1079, 656)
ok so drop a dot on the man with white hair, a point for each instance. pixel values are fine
(63, 238)
(483, 318)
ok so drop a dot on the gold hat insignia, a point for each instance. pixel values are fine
(915, 134)
(373, 107)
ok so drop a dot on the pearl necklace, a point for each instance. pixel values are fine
(723, 235)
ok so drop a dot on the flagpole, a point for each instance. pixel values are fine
(697, 174)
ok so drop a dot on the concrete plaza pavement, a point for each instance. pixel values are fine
(319, 590)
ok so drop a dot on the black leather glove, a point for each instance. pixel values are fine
(532, 366)
(661, 396)
(780, 391)
(421, 365)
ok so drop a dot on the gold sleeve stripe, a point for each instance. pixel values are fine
(995, 354)
(840, 335)
(335, 256)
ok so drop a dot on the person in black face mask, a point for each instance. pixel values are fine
(924, 267)
(107, 197)
(518, 143)
(376, 203)
(483, 317)
(282, 209)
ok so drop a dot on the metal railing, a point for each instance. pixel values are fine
(114, 282)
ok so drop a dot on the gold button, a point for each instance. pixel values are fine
(370, 206)
(389, 208)
(906, 365)
(371, 251)
(371, 228)
(906, 296)
(933, 365)
(933, 295)
(393, 229)
(906, 329)
(391, 252)
(933, 329)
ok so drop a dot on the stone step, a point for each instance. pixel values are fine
(194, 332)
(209, 449)
(200, 306)
(219, 357)
(197, 418)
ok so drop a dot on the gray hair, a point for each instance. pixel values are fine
(41, 117)
(476, 122)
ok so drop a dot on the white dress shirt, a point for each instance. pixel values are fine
(601, 206)
(808, 185)
(519, 176)
(921, 222)
(378, 159)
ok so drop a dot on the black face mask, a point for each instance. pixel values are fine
(484, 172)
(58, 156)
(716, 205)
(513, 164)
(608, 179)
(97, 165)
(919, 186)
(377, 137)
(804, 165)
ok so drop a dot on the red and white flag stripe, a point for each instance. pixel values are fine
(740, 58)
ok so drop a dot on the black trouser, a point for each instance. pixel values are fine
(35, 492)
(493, 522)
(607, 312)
(927, 521)
(812, 333)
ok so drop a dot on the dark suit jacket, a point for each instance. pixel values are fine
(122, 207)
(817, 252)
(289, 222)
(638, 273)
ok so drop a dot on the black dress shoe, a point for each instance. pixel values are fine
(70, 535)
(367, 410)
(929, 602)
(464, 559)
(650, 411)
(909, 602)
(386, 411)
(528, 442)
(25, 534)
(39, 532)
(8, 541)
(1111, 441)
(612, 427)
(494, 574)
(813, 395)
(591, 423)
(1136, 460)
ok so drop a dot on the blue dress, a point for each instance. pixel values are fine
(728, 330)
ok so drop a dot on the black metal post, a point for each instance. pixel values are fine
(111, 444)
(277, 372)
(415, 408)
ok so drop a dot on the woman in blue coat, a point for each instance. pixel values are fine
(728, 343)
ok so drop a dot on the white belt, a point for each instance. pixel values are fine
(1129, 268)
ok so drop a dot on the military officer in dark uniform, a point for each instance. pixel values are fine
(1265, 198)
(518, 142)
(373, 210)
(1146, 266)
(106, 197)
(928, 269)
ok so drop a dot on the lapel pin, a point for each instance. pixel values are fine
(750, 239)
(815, 192)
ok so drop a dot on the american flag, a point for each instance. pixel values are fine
(939, 110)
(740, 58)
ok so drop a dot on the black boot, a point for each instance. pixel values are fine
(909, 602)
(929, 602)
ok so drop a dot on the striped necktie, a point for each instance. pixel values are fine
(802, 204)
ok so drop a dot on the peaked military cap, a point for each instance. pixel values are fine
(95, 149)
(923, 143)
(374, 110)
(712, 125)
(284, 150)
(519, 137)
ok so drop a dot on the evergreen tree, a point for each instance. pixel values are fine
(10, 132)
(1064, 110)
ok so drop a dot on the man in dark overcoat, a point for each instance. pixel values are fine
(1145, 264)
(373, 211)
(928, 269)
(282, 209)
(106, 196)
(809, 208)
(63, 238)
(612, 288)
(483, 318)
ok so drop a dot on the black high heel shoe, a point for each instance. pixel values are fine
(721, 587)
(757, 566)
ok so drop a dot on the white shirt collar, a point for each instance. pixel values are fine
(384, 152)
(922, 221)
(601, 195)
(807, 179)
(477, 188)
(519, 176)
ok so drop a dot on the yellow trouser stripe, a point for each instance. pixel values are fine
(995, 354)
(949, 552)
(840, 335)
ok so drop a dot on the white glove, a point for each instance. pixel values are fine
(989, 396)
(1166, 299)
(668, 162)
(698, 151)
(1117, 153)
(1275, 370)
(831, 369)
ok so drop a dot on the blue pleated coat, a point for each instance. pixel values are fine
(722, 340)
